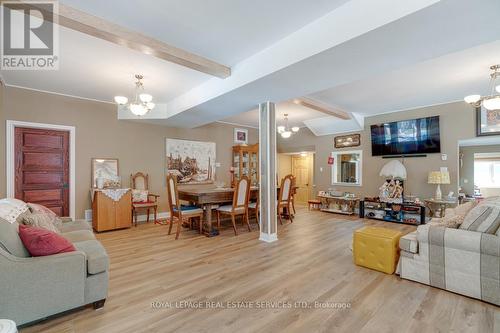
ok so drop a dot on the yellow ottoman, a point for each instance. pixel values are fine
(377, 248)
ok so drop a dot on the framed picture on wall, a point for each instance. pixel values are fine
(487, 122)
(345, 141)
(240, 136)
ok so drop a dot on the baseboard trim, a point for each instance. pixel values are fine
(143, 218)
(268, 238)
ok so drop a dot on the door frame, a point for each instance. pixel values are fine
(10, 157)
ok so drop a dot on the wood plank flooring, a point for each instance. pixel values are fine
(311, 262)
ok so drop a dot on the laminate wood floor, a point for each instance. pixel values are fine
(311, 262)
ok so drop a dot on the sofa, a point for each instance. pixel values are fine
(463, 261)
(33, 288)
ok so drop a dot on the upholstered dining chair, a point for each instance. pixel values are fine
(179, 211)
(141, 198)
(240, 204)
(284, 197)
(254, 207)
(293, 191)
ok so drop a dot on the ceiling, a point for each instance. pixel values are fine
(226, 31)
(398, 55)
(297, 114)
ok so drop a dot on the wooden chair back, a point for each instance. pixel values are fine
(139, 181)
(241, 193)
(172, 193)
(286, 188)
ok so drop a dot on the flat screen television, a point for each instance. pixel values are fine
(407, 137)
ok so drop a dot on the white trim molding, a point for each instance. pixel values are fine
(10, 166)
(269, 238)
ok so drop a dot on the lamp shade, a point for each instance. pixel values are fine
(438, 177)
(393, 169)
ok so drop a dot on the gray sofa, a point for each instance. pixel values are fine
(33, 288)
(462, 261)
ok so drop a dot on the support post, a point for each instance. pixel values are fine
(267, 160)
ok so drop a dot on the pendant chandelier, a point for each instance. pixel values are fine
(141, 103)
(492, 101)
(286, 131)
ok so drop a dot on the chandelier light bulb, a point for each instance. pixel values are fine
(492, 103)
(138, 109)
(472, 99)
(286, 134)
(150, 105)
(121, 100)
(145, 98)
(295, 129)
(281, 129)
(498, 89)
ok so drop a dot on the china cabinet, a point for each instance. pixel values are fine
(246, 163)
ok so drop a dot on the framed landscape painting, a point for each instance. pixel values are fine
(193, 162)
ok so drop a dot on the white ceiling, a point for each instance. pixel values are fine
(297, 114)
(226, 31)
(362, 56)
(93, 68)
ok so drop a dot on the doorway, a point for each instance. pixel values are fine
(302, 169)
(41, 165)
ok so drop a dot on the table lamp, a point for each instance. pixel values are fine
(438, 178)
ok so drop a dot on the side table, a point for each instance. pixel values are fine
(442, 203)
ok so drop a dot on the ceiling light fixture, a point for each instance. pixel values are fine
(286, 131)
(492, 101)
(142, 102)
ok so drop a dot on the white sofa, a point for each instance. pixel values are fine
(462, 261)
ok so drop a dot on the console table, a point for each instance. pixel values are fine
(346, 204)
(406, 213)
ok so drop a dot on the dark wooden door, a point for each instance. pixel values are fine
(42, 168)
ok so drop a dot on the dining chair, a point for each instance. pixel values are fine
(284, 197)
(141, 198)
(293, 191)
(254, 206)
(179, 211)
(240, 204)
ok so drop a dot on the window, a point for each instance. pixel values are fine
(487, 173)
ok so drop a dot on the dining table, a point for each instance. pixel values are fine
(210, 198)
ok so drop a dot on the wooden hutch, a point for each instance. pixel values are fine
(245, 163)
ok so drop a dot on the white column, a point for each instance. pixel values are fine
(267, 160)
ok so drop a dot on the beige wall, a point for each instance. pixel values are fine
(284, 165)
(456, 123)
(138, 146)
(467, 169)
(3, 185)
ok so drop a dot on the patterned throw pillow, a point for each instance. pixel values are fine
(40, 220)
(140, 195)
(454, 221)
(482, 218)
(37, 208)
(10, 209)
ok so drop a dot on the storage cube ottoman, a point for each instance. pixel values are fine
(376, 248)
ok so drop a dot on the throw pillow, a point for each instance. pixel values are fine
(42, 242)
(140, 195)
(454, 221)
(37, 208)
(10, 209)
(482, 218)
(464, 208)
(40, 220)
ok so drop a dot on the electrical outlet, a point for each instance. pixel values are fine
(444, 157)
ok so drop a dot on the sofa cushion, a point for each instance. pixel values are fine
(42, 242)
(10, 241)
(10, 209)
(40, 220)
(482, 218)
(79, 235)
(74, 226)
(36, 208)
(97, 258)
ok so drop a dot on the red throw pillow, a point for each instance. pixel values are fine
(42, 242)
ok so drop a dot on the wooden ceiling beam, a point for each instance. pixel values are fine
(94, 26)
(326, 109)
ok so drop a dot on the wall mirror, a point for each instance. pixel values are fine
(105, 172)
(346, 168)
